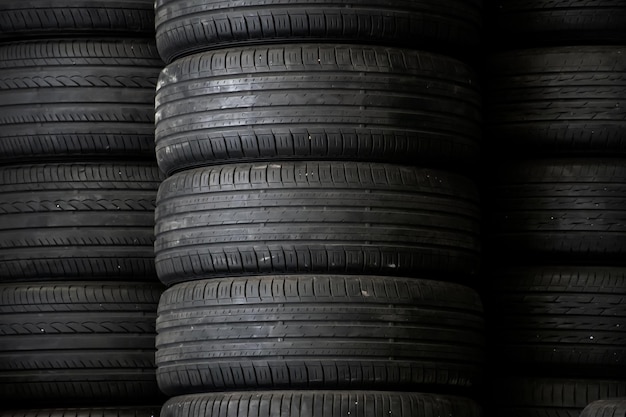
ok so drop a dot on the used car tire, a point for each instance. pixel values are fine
(319, 332)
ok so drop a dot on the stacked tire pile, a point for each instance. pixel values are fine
(556, 117)
(78, 184)
(318, 229)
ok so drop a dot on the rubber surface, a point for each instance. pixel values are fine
(317, 217)
(82, 221)
(338, 102)
(566, 319)
(606, 408)
(320, 404)
(123, 411)
(19, 19)
(565, 209)
(183, 28)
(79, 97)
(303, 331)
(544, 22)
(551, 397)
(558, 101)
(77, 343)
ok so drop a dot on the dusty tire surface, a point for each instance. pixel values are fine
(184, 28)
(320, 404)
(78, 342)
(77, 97)
(77, 221)
(315, 217)
(318, 332)
(312, 101)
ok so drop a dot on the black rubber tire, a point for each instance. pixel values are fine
(561, 209)
(122, 411)
(327, 102)
(319, 332)
(77, 98)
(182, 29)
(82, 221)
(606, 408)
(316, 217)
(78, 343)
(41, 18)
(550, 397)
(319, 404)
(560, 319)
(558, 101)
(540, 22)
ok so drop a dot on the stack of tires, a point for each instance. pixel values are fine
(318, 229)
(556, 117)
(78, 184)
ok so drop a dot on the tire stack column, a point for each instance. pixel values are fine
(318, 229)
(556, 119)
(78, 184)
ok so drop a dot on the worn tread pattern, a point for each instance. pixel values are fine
(121, 411)
(318, 217)
(562, 318)
(77, 341)
(92, 97)
(541, 22)
(48, 18)
(560, 209)
(551, 397)
(320, 404)
(306, 332)
(562, 100)
(183, 28)
(615, 407)
(340, 102)
(83, 221)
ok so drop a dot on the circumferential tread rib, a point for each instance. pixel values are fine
(183, 29)
(320, 404)
(98, 17)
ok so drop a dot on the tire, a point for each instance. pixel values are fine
(558, 101)
(284, 103)
(49, 18)
(560, 209)
(183, 29)
(316, 217)
(551, 397)
(312, 332)
(540, 22)
(77, 343)
(124, 411)
(319, 404)
(615, 408)
(77, 98)
(560, 318)
(77, 221)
